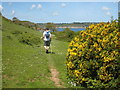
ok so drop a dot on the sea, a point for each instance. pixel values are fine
(73, 29)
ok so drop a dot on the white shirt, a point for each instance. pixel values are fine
(46, 39)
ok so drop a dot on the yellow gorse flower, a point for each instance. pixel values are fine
(76, 39)
(73, 53)
(76, 44)
(70, 65)
(107, 59)
(95, 45)
(99, 49)
(76, 72)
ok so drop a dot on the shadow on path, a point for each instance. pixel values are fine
(51, 53)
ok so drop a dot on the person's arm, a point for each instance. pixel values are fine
(50, 36)
(42, 36)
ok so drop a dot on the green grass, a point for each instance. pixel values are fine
(0, 59)
(27, 66)
(59, 58)
(23, 65)
(0, 53)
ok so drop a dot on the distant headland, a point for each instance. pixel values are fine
(70, 27)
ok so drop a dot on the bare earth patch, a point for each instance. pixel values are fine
(55, 78)
(54, 73)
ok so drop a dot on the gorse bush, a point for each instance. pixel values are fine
(93, 56)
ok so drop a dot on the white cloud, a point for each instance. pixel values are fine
(55, 13)
(13, 12)
(108, 13)
(39, 6)
(105, 8)
(115, 2)
(33, 6)
(10, 3)
(63, 4)
(1, 7)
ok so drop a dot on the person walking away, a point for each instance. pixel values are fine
(47, 39)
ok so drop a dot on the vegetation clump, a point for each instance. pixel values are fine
(29, 39)
(93, 56)
(66, 35)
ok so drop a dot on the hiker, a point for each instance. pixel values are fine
(47, 39)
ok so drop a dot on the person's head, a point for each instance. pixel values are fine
(47, 29)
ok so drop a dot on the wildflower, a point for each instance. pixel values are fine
(83, 79)
(97, 56)
(80, 65)
(99, 40)
(76, 72)
(80, 46)
(73, 53)
(99, 49)
(95, 45)
(70, 65)
(107, 59)
(69, 50)
(76, 39)
(76, 44)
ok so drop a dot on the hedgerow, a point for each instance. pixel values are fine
(93, 56)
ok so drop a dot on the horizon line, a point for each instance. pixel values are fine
(60, 22)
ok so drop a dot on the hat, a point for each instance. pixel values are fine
(47, 28)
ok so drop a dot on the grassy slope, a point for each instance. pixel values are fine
(22, 64)
(0, 53)
(27, 66)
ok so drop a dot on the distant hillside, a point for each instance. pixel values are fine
(69, 25)
(23, 34)
(41, 26)
(25, 23)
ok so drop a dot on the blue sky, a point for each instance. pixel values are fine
(60, 12)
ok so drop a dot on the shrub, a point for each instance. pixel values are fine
(66, 35)
(29, 39)
(93, 56)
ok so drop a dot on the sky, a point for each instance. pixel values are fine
(60, 12)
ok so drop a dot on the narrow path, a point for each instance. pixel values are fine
(57, 51)
(54, 73)
(54, 78)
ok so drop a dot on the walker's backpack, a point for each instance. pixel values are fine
(47, 35)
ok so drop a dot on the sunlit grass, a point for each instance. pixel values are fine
(26, 66)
